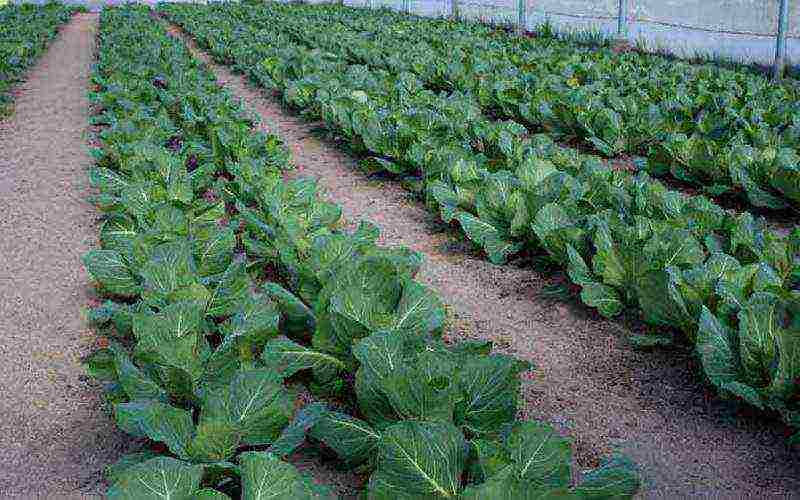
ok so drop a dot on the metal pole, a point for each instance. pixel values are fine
(454, 9)
(522, 16)
(780, 46)
(622, 24)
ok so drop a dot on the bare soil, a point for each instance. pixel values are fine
(55, 438)
(589, 380)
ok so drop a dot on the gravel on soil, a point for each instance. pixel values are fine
(54, 437)
(589, 380)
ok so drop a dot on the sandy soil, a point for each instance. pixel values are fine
(589, 380)
(54, 437)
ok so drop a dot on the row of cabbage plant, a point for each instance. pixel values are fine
(725, 279)
(243, 321)
(25, 32)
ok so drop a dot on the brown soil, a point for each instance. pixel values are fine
(589, 380)
(54, 437)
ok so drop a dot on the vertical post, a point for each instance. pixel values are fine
(454, 9)
(780, 46)
(622, 23)
(522, 16)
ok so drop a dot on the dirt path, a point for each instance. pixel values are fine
(589, 380)
(54, 439)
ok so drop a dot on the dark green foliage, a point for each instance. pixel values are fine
(195, 207)
(421, 95)
(25, 32)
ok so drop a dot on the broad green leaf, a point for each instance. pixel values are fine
(213, 247)
(256, 403)
(297, 319)
(372, 400)
(120, 315)
(364, 300)
(294, 434)
(265, 477)
(118, 233)
(172, 336)
(256, 320)
(758, 338)
(424, 387)
(420, 310)
(541, 457)
(556, 229)
(784, 384)
(287, 358)
(101, 364)
(745, 392)
(733, 289)
(786, 177)
(157, 479)
(157, 421)
(380, 354)
(419, 458)
(447, 199)
(577, 269)
(221, 367)
(696, 286)
(603, 297)
(394, 382)
(353, 440)
(490, 385)
(487, 459)
(497, 246)
(407, 262)
(615, 479)
(135, 383)
(533, 171)
(471, 347)
(107, 180)
(170, 223)
(609, 261)
(506, 486)
(715, 347)
(109, 269)
(660, 301)
(330, 252)
(115, 470)
(759, 197)
(170, 274)
(179, 185)
(230, 290)
(674, 248)
(214, 441)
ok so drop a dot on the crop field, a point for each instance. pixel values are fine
(254, 335)
(25, 31)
